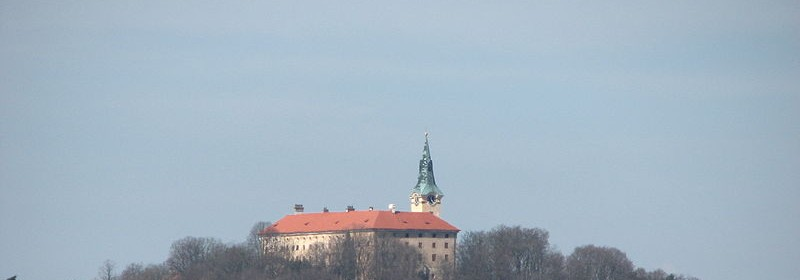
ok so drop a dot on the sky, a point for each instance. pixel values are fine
(667, 129)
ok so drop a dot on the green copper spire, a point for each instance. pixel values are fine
(426, 184)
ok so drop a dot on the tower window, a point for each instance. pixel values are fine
(433, 257)
(446, 257)
(419, 235)
(446, 245)
(433, 245)
(406, 234)
(446, 235)
(434, 235)
(419, 245)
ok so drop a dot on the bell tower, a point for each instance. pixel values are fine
(426, 196)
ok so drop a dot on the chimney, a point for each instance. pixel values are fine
(350, 208)
(393, 207)
(298, 208)
(371, 208)
(325, 210)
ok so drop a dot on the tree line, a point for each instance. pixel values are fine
(503, 252)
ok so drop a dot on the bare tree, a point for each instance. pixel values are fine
(598, 263)
(389, 259)
(512, 253)
(106, 271)
(228, 262)
(254, 239)
(273, 261)
(189, 253)
(474, 255)
(132, 272)
(658, 274)
(444, 271)
(508, 253)
(342, 258)
(553, 266)
(137, 271)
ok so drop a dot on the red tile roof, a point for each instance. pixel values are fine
(355, 220)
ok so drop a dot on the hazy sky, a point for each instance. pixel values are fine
(667, 129)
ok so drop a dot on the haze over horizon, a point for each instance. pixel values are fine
(668, 130)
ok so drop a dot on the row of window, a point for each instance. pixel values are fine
(419, 245)
(313, 237)
(396, 234)
(433, 257)
(433, 245)
(433, 235)
(303, 247)
(446, 257)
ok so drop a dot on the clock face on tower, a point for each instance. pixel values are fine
(415, 197)
(431, 199)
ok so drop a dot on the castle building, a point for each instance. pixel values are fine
(421, 228)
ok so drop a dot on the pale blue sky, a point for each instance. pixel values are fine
(667, 129)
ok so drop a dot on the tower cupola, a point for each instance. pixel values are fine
(426, 196)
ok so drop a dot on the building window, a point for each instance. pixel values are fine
(434, 235)
(446, 257)
(446, 235)
(446, 245)
(419, 245)
(433, 257)
(419, 235)
(433, 245)
(406, 234)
